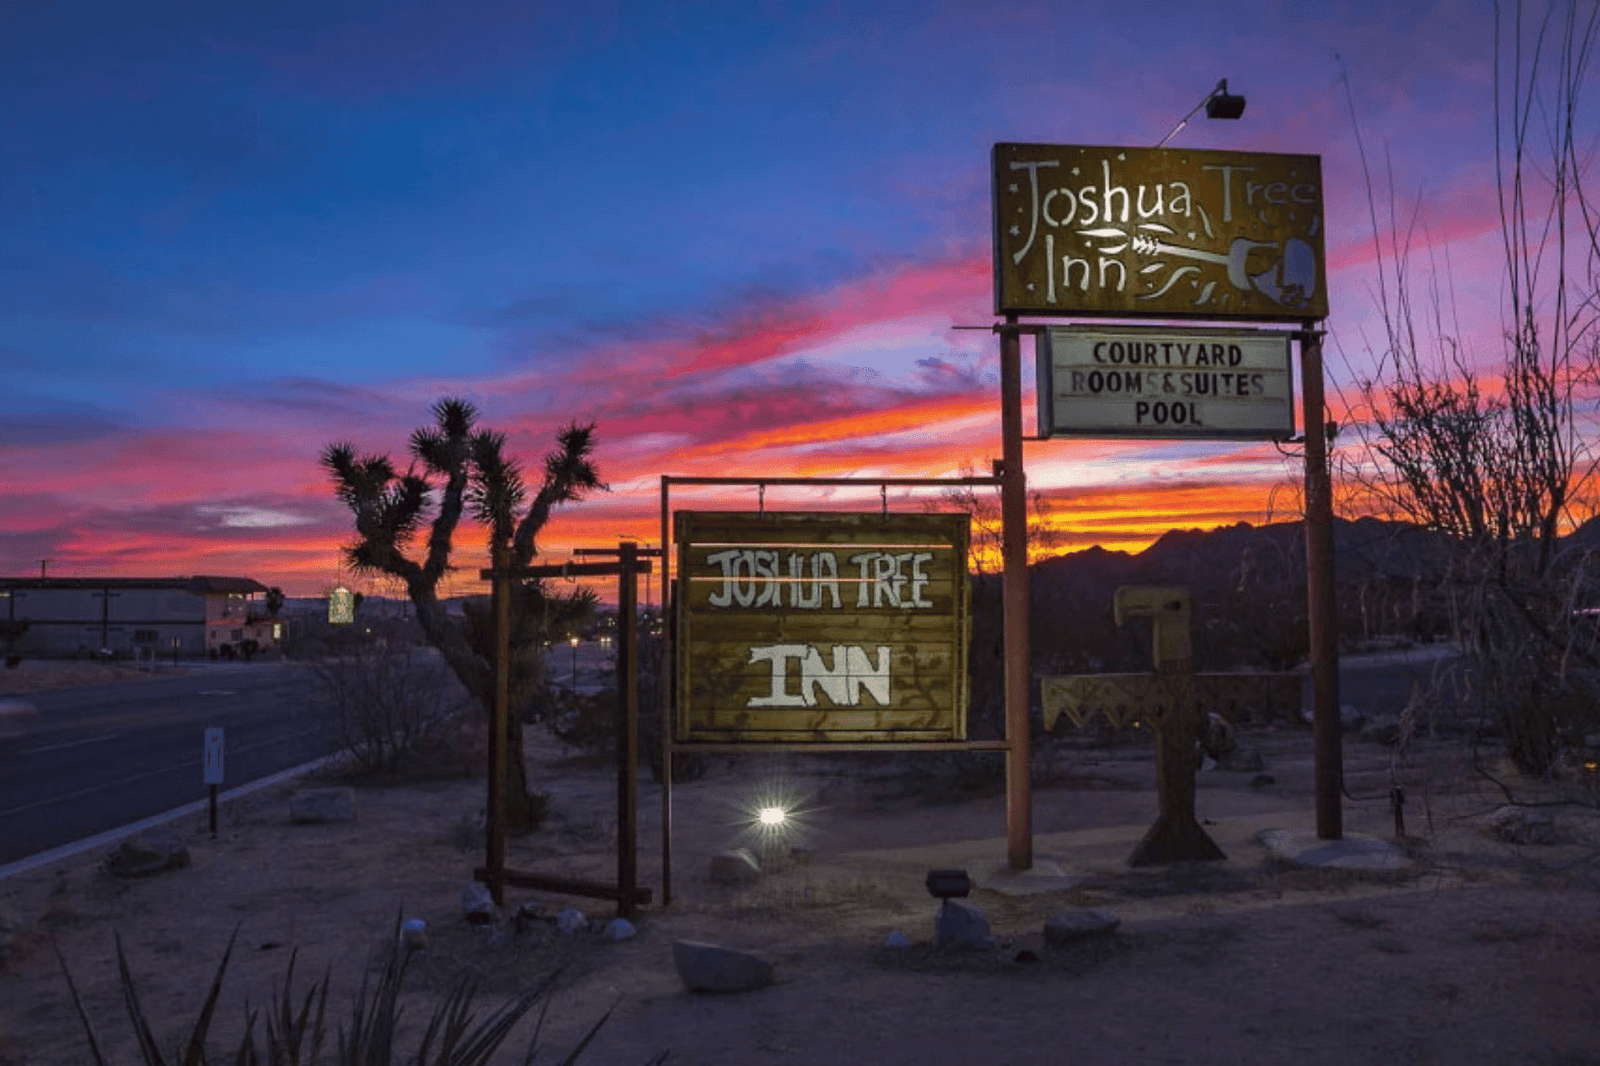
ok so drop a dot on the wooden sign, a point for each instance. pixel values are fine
(821, 627)
(1158, 232)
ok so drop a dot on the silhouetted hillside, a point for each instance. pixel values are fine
(1248, 584)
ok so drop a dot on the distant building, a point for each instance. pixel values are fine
(123, 616)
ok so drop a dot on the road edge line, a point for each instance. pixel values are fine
(111, 836)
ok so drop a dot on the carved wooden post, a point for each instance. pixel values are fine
(1176, 835)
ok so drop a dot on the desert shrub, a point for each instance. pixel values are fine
(589, 722)
(393, 702)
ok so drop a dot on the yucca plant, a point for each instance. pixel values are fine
(295, 1028)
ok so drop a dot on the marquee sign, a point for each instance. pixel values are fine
(809, 626)
(1171, 383)
(1158, 232)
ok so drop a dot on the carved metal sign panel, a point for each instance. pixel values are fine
(1174, 383)
(1158, 232)
(803, 626)
(1122, 699)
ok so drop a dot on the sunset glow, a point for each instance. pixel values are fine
(738, 241)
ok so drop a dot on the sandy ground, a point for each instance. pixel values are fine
(1484, 953)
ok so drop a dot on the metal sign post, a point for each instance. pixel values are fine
(213, 769)
(1114, 232)
(1015, 603)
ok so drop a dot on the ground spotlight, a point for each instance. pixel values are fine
(772, 816)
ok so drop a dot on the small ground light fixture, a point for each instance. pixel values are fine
(948, 884)
(772, 816)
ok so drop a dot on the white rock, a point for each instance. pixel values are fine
(961, 927)
(147, 853)
(314, 805)
(736, 867)
(619, 929)
(1070, 926)
(710, 968)
(1519, 825)
(477, 906)
(896, 939)
(572, 920)
(414, 933)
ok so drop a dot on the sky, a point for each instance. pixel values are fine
(736, 236)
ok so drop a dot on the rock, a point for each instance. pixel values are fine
(477, 906)
(897, 939)
(1519, 825)
(961, 927)
(1069, 927)
(736, 867)
(1262, 781)
(619, 929)
(414, 934)
(572, 920)
(1218, 737)
(148, 853)
(314, 805)
(710, 968)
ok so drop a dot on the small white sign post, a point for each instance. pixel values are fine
(213, 769)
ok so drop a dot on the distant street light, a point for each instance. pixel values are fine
(573, 640)
(1219, 103)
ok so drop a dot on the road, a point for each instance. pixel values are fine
(99, 757)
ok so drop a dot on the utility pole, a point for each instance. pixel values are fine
(42, 564)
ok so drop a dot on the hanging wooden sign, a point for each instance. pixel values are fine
(825, 627)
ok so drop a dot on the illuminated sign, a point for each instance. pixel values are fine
(1177, 383)
(801, 626)
(341, 607)
(1157, 232)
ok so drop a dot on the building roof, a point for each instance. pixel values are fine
(199, 584)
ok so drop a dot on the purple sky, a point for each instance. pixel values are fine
(734, 235)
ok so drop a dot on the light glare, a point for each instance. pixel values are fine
(771, 816)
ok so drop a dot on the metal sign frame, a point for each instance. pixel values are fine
(1160, 383)
(1110, 231)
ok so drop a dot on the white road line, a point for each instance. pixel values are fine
(68, 744)
(111, 836)
(185, 765)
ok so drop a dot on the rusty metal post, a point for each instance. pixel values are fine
(495, 809)
(665, 684)
(1321, 613)
(1014, 550)
(627, 730)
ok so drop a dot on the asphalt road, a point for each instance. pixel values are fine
(100, 757)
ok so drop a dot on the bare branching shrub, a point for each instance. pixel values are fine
(1492, 452)
(394, 704)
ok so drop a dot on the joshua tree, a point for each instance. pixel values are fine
(473, 473)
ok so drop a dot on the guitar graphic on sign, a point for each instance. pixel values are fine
(1289, 279)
